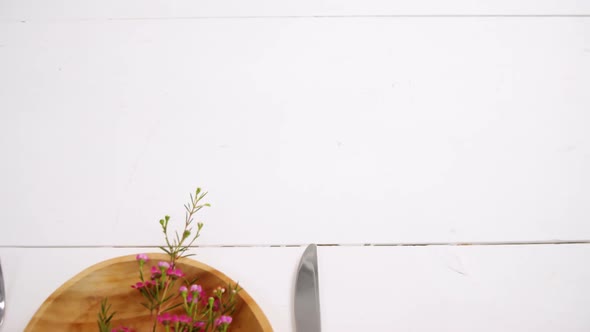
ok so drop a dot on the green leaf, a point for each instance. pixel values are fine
(168, 298)
(173, 307)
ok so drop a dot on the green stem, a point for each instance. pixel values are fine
(141, 270)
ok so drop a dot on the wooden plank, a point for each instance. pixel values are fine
(521, 288)
(464, 288)
(343, 131)
(126, 9)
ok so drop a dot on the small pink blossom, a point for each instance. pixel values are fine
(183, 290)
(175, 319)
(197, 294)
(156, 273)
(202, 296)
(184, 319)
(165, 318)
(223, 320)
(123, 329)
(196, 288)
(164, 265)
(201, 300)
(216, 305)
(175, 273)
(138, 285)
(142, 258)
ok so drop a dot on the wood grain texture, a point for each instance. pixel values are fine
(74, 306)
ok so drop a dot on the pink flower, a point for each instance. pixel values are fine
(196, 288)
(156, 273)
(216, 305)
(196, 300)
(138, 285)
(122, 329)
(202, 296)
(165, 318)
(175, 273)
(183, 290)
(175, 319)
(223, 320)
(184, 319)
(142, 258)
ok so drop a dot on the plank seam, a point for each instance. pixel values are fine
(297, 245)
(25, 20)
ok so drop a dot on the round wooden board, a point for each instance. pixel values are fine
(75, 305)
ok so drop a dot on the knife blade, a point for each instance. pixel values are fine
(307, 296)
(2, 296)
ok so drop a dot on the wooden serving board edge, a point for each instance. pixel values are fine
(260, 316)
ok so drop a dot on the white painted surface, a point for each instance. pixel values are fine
(316, 121)
(520, 288)
(306, 130)
(495, 288)
(88, 9)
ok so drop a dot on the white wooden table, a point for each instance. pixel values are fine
(437, 152)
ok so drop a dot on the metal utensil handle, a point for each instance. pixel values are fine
(2, 296)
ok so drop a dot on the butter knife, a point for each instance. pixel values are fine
(307, 296)
(2, 296)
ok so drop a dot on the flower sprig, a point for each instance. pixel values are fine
(177, 248)
(195, 310)
(105, 316)
(200, 312)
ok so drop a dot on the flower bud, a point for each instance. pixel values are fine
(142, 258)
(183, 290)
